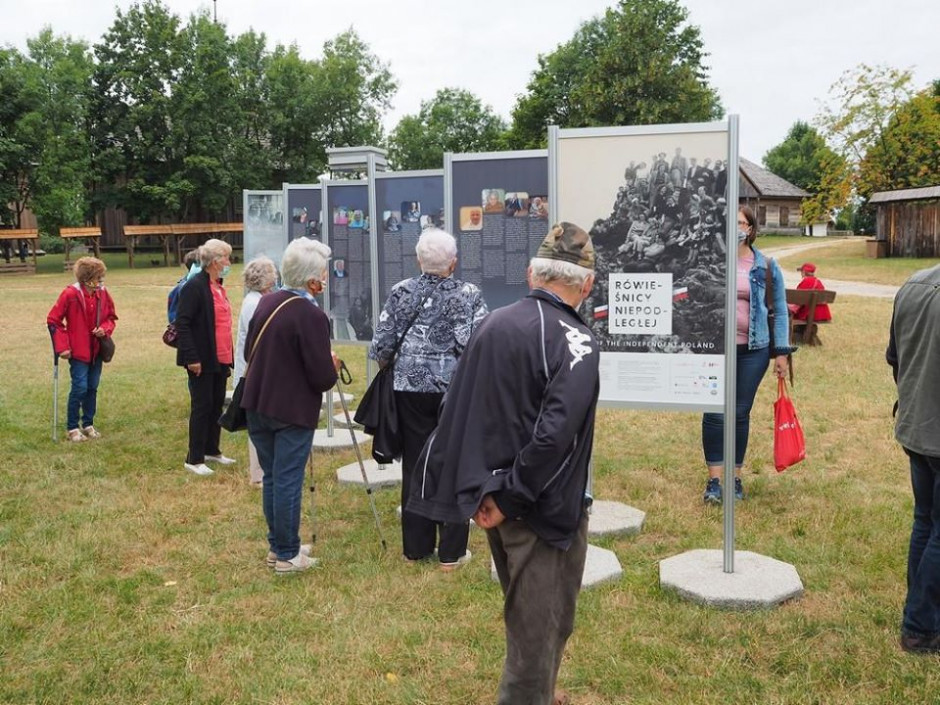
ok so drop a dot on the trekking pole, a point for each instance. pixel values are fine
(313, 498)
(55, 386)
(346, 378)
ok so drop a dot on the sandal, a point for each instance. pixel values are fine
(76, 436)
(91, 432)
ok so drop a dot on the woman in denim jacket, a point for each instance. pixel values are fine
(753, 353)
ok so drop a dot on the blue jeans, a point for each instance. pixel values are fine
(282, 452)
(922, 607)
(83, 395)
(752, 364)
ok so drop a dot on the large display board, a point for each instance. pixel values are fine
(497, 208)
(407, 203)
(346, 218)
(655, 200)
(263, 224)
(303, 207)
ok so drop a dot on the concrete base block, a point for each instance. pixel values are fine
(340, 440)
(614, 518)
(758, 582)
(337, 403)
(600, 566)
(379, 475)
(339, 420)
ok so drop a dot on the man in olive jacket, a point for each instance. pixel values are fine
(512, 450)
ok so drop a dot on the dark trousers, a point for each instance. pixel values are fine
(540, 584)
(417, 418)
(751, 367)
(922, 607)
(206, 397)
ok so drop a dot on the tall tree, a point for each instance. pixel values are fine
(798, 159)
(639, 64)
(453, 121)
(18, 144)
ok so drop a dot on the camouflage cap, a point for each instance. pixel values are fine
(568, 243)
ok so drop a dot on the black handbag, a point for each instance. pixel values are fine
(234, 417)
(105, 343)
(377, 412)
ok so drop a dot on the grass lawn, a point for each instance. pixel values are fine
(124, 579)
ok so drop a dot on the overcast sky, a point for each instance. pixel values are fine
(771, 62)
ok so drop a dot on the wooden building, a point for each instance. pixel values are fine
(908, 221)
(776, 202)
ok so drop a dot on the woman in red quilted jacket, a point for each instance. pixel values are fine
(83, 314)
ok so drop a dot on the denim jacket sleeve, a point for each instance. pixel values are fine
(781, 318)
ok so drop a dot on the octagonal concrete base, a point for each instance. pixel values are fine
(614, 518)
(600, 566)
(339, 420)
(337, 403)
(339, 440)
(379, 475)
(758, 582)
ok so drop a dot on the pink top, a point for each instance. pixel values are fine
(223, 324)
(744, 297)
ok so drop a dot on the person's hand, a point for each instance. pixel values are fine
(195, 368)
(337, 363)
(780, 366)
(65, 354)
(98, 332)
(487, 515)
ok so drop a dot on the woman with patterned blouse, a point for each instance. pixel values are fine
(444, 311)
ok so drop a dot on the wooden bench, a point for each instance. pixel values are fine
(133, 232)
(31, 234)
(807, 332)
(87, 234)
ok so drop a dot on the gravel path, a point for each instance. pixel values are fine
(792, 278)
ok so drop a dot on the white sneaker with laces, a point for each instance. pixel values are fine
(220, 459)
(463, 560)
(198, 468)
(296, 564)
(271, 560)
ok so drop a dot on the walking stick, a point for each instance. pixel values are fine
(55, 386)
(346, 378)
(313, 498)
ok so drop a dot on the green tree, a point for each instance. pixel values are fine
(453, 121)
(17, 143)
(799, 158)
(639, 64)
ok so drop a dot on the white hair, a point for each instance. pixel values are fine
(436, 249)
(304, 259)
(260, 274)
(213, 250)
(546, 270)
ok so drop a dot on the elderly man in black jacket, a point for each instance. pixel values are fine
(512, 450)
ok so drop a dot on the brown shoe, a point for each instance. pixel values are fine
(561, 698)
(920, 644)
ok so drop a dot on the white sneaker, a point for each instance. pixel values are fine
(91, 432)
(198, 468)
(296, 564)
(271, 560)
(76, 436)
(220, 459)
(464, 559)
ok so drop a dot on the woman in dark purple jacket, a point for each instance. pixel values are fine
(284, 385)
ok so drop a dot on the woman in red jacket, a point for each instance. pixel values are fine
(83, 314)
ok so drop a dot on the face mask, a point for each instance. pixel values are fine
(194, 269)
(225, 271)
(742, 236)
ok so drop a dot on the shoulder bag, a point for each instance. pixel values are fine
(105, 342)
(234, 418)
(771, 316)
(377, 412)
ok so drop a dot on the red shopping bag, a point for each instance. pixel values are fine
(789, 444)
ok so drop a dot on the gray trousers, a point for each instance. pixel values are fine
(540, 584)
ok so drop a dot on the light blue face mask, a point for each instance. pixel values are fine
(225, 271)
(742, 236)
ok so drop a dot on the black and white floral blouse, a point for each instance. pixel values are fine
(428, 355)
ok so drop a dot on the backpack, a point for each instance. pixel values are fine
(173, 300)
